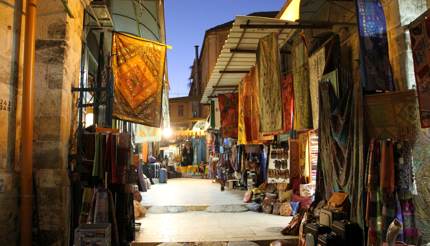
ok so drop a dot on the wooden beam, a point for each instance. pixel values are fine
(225, 87)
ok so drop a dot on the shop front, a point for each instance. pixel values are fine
(307, 118)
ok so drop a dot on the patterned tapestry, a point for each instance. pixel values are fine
(228, 105)
(302, 114)
(391, 115)
(316, 71)
(138, 68)
(375, 64)
(420, 40)
(288, 101)
(269, 84)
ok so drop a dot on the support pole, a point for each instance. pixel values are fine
(26, 214)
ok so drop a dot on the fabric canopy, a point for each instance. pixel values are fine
(138, 68)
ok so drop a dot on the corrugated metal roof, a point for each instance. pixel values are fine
(241, 38)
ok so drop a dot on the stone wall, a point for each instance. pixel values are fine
(400, 13)
(10, 84)
(58, 54)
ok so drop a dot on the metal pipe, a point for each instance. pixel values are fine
(26, 179)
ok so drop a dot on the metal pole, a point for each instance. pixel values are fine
(98, 83)
(26, 211)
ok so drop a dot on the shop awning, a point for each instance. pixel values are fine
(238, 54)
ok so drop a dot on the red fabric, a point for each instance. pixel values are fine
(305, 202)
(228, 105)
(251, 116)
(288, 102)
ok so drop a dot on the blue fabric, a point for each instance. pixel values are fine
(375, 64)
(263, 166)
(295, 207)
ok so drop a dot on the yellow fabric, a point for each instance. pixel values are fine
(241, 132)
(138, 68)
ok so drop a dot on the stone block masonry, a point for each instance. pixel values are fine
(58, 55)
(57, 69)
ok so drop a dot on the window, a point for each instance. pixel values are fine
(181, 110)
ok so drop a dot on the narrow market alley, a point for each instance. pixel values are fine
(195, 210)
(214, 122)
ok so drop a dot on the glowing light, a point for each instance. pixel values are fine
(167, 132)
(89, 119)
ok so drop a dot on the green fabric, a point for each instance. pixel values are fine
(302, 100)
(212, 114)
(341, 151)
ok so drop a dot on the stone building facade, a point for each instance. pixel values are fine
(57, 69)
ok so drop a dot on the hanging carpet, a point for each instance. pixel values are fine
(228, 104)
(375, 64)
(138, 68)
(269, 84)
(249, 122)
(288, 101)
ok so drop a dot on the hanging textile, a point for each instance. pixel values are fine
(288, 102)
(269, 84)
(420, 41)
(316, 71)
(341, 164)
(228, 104)
(391, 115)
(333, 78)
(302, 114)
(138, 67)
(217, 115)
(241, 131)
(146, 134)
(375, 64)
(212, 116)
(252, 114)
(388, 185)
(165, 107)
(248, 109)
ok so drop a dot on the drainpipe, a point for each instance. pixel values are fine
(26, 212)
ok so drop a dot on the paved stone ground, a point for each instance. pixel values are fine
(190, 192)
(196, 212)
